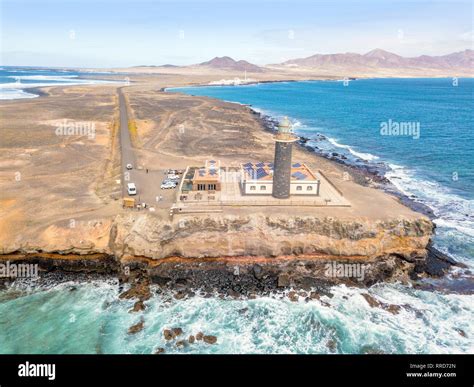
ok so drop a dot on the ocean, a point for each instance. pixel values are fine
(18, 82)
(429, 157)
(433, 164)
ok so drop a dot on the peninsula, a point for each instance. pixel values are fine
(65, 204)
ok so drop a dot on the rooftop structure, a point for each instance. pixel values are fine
(258, 178)
(207, 178)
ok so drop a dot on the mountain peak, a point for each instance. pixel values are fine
(381, 54)
(228, 63)
(219, 61)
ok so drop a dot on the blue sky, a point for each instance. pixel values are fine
(105, 33)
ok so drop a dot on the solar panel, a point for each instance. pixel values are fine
(270, 165)
(261, 173)
(298, 175)
(260, 165)
(250, 172)
(296, 165)
(212, 162)
(202, 172)
(248, 165)
(213, 172)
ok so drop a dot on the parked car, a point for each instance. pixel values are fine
(131, 189)
(172, 176)
(167, 185)
(129, 166)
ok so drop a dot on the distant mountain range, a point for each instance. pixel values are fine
(377, 61)
(383, 59)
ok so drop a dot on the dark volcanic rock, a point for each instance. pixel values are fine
(136, 328)
(283, 280)
(138, 307)
(437, 263)
(257, 271)
(331, 345)
(394, 309)
(172, 333)
(461, 332)
(210, 339)
(176, 331)
(140, 290)
(293, 296)
(371, 300)
(180, 295)
(168, 334)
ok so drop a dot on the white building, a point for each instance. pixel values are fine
(257, 179)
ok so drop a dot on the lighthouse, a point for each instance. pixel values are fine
(284, 140)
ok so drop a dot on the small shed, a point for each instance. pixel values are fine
(128, 203)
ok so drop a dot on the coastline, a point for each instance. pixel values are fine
(230, 296)
(268, 125)
(374, 172)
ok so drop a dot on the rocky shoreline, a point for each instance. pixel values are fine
(368, 173)
(149, 249)
(232, 276)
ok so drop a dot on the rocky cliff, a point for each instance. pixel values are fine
(251, 253)
(216, 235)
(268, 236)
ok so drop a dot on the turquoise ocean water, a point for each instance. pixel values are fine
(435, 169)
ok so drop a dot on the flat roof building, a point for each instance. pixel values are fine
(257, 179)
(207, 178)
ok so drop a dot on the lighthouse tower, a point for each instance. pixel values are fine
(284, 140)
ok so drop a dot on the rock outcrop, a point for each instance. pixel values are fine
(259, 235)
(245, 254)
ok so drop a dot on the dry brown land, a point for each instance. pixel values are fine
(60, 193)
(49, 180)
(177, 130)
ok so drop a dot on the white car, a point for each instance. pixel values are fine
(131, 189)
(172, 176)
(168, 185)
(129, 166)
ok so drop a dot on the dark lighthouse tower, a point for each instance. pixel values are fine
(284, 140)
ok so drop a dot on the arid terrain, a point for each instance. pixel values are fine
(63, 193)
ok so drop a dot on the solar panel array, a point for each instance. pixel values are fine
(261, 173)
(299, 176)
(260, 170)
